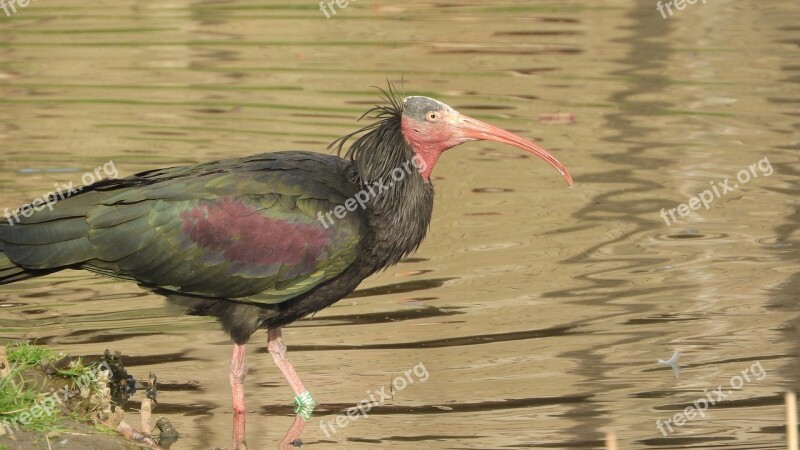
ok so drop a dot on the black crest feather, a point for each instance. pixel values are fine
(382, 147)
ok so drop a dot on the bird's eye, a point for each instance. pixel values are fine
(432, 116)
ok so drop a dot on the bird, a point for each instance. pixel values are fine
(261, 241)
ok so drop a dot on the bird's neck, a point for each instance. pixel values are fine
(399, 212)
(399, 219)
(391, 174)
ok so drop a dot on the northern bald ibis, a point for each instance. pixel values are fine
(264, 240)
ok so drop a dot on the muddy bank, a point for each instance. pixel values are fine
(54, 401)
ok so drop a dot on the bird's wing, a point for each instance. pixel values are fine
(246, 229)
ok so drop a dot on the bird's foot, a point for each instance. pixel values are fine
(292, 438)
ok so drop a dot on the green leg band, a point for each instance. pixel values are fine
(304, 405)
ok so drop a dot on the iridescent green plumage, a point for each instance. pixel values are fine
(162, 228)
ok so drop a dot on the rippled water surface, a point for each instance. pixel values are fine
(538, 311)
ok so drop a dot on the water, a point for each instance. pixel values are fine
(538, 311)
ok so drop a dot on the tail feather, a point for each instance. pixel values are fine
(32, 246)
(10, 272)
(50, 239)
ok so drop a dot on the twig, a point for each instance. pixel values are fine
(611, 440)
(129, 433)
(147, 404)
(791, 421)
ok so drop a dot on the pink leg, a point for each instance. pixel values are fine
(305, 404)
(277, 349)
(292, 438)
(237, 374)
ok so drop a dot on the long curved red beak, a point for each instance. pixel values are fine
(475, 129)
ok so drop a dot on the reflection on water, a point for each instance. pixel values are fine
(539, 311)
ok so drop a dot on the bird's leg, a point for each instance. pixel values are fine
(277, 349)
(237, 374)
(304, 403)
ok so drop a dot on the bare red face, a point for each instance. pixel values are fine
(431, 127)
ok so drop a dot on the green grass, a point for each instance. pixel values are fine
(20, 405)
(21, 398)
(28, 397)
(14, 397)
(102, 429)
(25, 355)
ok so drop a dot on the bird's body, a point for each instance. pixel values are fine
(240, 235)
(261, 241)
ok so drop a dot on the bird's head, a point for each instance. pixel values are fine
(432, 127)
(422, 128)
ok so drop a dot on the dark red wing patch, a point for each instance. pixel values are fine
(241, 234)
